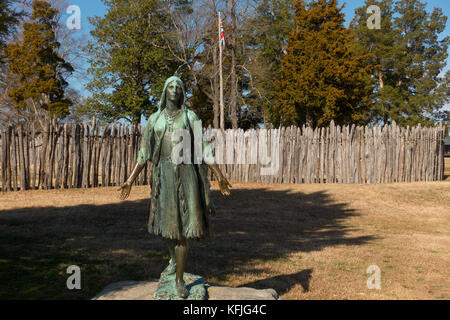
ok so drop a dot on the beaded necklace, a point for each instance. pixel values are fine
(170, 116)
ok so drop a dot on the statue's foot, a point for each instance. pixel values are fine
(181, 289)
(171, 268)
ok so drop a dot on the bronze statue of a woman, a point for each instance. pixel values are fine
(180, 201)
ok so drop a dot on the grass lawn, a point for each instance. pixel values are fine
(305, 241)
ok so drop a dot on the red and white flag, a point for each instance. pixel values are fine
(222, 34)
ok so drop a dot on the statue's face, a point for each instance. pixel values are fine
(174, 92)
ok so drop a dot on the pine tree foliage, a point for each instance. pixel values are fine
(35, 61)
(8, 20)
(266, 36)
(323, 77)
(409, 59)
(129, 62)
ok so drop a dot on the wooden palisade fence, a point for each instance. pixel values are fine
(79, 155)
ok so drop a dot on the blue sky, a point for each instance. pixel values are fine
(91, 8)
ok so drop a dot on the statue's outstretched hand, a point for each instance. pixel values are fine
(224, 186)
(126, 189)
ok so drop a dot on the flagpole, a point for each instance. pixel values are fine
(222, 120)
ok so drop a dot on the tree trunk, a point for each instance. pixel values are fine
(216, 89)
(136, 119)
(234, 90)
(309, 119)
(380, 79)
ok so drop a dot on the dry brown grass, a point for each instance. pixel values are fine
(305, 241)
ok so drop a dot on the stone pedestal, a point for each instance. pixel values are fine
(145, 290)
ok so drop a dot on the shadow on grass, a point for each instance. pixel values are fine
(110, 242)
(284, 283)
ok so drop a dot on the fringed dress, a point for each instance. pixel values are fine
(177, 206)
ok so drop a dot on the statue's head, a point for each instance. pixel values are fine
(174, 91)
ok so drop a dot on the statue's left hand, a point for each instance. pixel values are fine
(126, 189)
(224, 186)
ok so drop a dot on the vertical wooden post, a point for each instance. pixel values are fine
(6, 162)
(95, 152)
(104, 153)
(27, 155)
(3, 159)
(123, 155)
(76, 160)
(14, 158)
(59, 157)
(21, 158)
(65, 170)
(99, 143)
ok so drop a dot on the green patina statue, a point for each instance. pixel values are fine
(180, 193)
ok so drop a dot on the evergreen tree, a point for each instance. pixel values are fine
(40, 70)
(266, 36)
(409, 58)
(128, 61)
(8, 21)
(323, 77)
